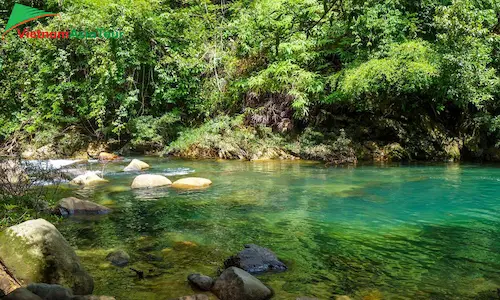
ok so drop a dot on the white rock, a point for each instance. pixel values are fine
(191, 183)
(150, 181)
(88, 178)
(136, 165)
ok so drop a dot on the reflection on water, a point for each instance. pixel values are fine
(371, 232)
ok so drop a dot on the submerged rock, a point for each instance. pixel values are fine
(74, 206)
(89, 178)
(136, 165)
(150, 181)
(118, 258)
(193, 297)
(201, 281)
(21, 294)
(255, 259)
(191, 182)
(35, 251)
(235, 283)
(50, 291)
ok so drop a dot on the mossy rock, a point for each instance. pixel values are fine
(35, 251)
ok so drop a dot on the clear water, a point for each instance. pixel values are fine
(370, 232)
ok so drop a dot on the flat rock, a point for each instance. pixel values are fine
(191, 183)
(74, 206)
(136, 165)
(119, 258)
(255, 260)
(21, 294)
(201, 281)
(150, 181)
(35, 251)
(50, 291)
(89, 178)
(235, 283)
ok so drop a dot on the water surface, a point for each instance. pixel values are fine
(370, 232)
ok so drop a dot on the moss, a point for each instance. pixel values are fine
(23, 261)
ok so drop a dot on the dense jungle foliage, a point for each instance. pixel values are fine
(319, 79)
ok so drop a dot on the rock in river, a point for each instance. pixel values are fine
(21, 294)
(255, 259)
(105, 156)
(191, 183)
(150, 181)
(193, 297)
(202, 282)
(89, 178)
(74, 206)
(35, 251)
(234, 283)
(50, 291)
(118, 258)
(136, 165)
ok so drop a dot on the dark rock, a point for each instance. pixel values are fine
(50, 291)
(21, 294)
(202, 282)
(193, 297)
(235, 283)
(118, 258)
(75, 206)
(255, 259)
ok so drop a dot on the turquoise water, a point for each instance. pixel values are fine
(370, 232)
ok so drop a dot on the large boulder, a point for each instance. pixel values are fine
(136, 165)
(255, 259)
(21, 294)
(191, 183)
(74, 206)
(201, 281)
(234, 283)
(150, 181)
(89, 178)
(50, 291)
(35, 251)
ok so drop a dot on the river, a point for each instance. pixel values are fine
(370, 232)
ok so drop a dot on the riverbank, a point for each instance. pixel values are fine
(230, 138)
